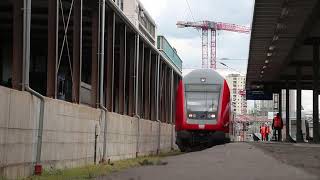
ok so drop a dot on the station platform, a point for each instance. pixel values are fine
(300, 155)
(250, 161)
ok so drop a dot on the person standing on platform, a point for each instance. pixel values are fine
(277, 125)
(263, 132)
(267, 131)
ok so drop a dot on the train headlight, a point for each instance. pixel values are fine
(190, 115)
(194, 115)
(212, 115)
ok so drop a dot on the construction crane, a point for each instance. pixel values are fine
(205, 26)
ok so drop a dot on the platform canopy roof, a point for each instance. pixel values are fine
(284, 33)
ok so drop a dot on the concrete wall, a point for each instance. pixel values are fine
(85, 93)
(126, 136)
(18, 132)
(69, 134)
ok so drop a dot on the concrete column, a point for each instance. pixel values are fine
(137, 74)
(172, 115)
(109, 65)
(315, 66)
(140, 77)
(17, 45)
(146, 74)
(299, 136)
(149, 84)
(158, 89)
(280, 102)
(53, 23)
(159, 108)
(94, 60)
(122, 67)
(165, 95)
(153, 83)
(287, 112)
(77, 51)
(163, 90)
(131, 63)
(171, 96)
(174, 91)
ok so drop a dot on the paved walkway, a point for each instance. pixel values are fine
(241, 161)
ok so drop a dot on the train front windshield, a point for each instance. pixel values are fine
(202, 101)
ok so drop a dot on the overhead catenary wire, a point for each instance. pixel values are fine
(221, 60)
(232, 59)
(192, 16)
(188, 4)
(223, 64)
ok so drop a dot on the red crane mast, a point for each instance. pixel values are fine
(205, 26)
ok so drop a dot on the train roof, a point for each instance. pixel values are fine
(210, 75)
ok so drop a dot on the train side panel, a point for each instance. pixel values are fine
(225, 107)
(180, 112)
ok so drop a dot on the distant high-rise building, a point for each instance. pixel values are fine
(262, 107)
(236, 83)
(139, 17)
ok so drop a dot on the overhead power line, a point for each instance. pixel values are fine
(190, 10)
(223, 64)
(232, 59)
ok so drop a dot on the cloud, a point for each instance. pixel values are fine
(187, 41)
(189, 50)
(155, 8)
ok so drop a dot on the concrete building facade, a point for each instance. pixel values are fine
(119, 3)
(140, 17)
(236, 83)
(74, 81)
(262, 107)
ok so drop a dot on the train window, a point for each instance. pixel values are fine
(202, 101)
(204, 87)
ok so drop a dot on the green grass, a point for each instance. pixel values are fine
(92, 171)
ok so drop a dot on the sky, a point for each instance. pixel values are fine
(187, 41)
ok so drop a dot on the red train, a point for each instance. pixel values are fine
(202, 110)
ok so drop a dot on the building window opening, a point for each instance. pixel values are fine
(38, 48)
(65, 54)
(8, 8)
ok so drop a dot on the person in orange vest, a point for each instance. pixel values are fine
(263, 132)
(267, 131)
(277, 125)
